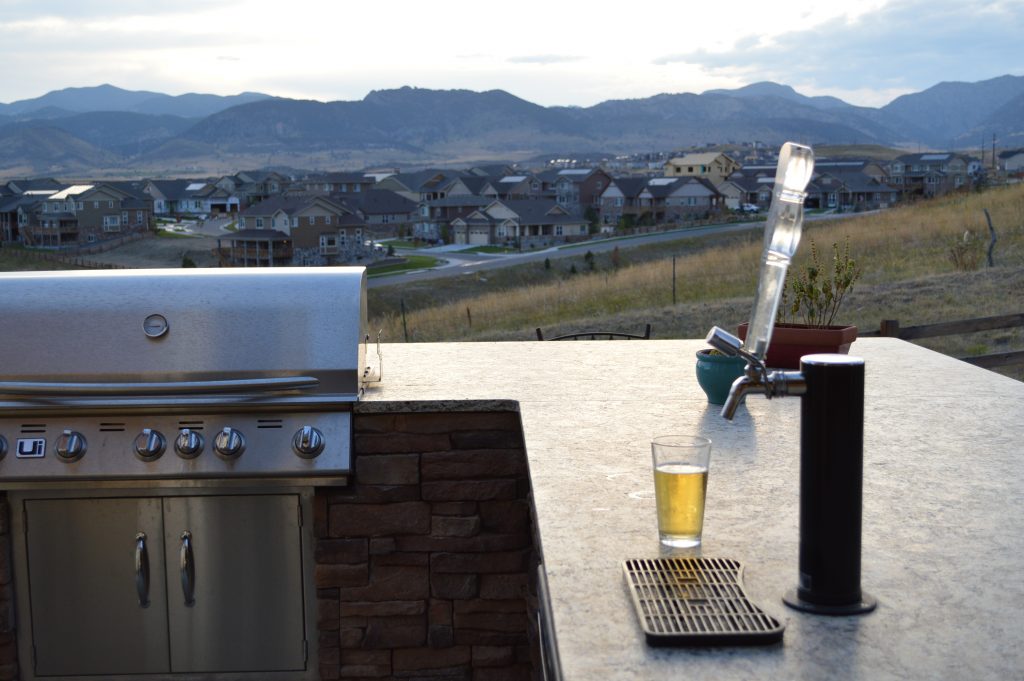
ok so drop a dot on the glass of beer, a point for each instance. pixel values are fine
(680, 483)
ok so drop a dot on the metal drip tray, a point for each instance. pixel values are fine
(696, 602)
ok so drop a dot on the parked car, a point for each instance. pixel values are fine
(749, 208)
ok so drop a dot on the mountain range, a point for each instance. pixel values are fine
(108, 130)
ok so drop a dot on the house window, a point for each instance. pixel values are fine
(295, 222)
(259, 223)
(328, 244)
(45, 209)
(327, 219)
(241, 222)
(110, 204)
(343, 238)
(95, 204)
(124, 217)
(91, 238)
(139, 219)
(111, 223)
(81, 205)
(558, 230)
(583, 229)
(359, 233)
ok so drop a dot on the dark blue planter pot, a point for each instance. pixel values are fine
(715, 374)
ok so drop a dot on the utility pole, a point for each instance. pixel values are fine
(994, 166)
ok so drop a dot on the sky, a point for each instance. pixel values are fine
(550, 52)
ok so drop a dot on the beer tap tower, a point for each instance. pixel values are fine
(831, 414)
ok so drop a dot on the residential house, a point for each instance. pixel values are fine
(36, 185)
(749, 187)
(319, 231)
(15, 210)
(435, 216)
(524, 222)
(932, 174)
(512, 187)
(387, 213)
(83, 214)
(712, 166)
(577, 189)
(251, 187)
(852, 191)
(339, 183)
(440, 194)
(1012, 161)
(426, 185)
(692, 198)
(620, 203)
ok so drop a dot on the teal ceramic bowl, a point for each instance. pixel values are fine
(715, 374)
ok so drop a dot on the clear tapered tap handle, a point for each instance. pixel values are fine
(781, 237)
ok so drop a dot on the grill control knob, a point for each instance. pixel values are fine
(308, 442)
(150, 445)
(229, 443)
(71, 446)
(189, 443)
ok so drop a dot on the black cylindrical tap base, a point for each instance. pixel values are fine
(831, 482)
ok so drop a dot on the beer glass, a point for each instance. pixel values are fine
(680, 484)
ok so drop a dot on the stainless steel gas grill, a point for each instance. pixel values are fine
(161, 434)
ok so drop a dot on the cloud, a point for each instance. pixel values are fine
(544, 59)
(22, 10)
(904, 45)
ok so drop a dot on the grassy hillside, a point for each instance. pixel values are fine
(904, 253)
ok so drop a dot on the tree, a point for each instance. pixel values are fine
(589, 259)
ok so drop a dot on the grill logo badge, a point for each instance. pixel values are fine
(31, 448)
(155, 325)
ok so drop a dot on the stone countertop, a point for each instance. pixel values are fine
(943, 519)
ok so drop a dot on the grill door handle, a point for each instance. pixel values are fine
(188, 569)
(142, 570)
(46, 389)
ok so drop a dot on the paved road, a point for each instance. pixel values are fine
(467, 263)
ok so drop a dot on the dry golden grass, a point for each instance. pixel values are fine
(894, 248)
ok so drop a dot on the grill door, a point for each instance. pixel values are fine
(88, 573)
(235, 583)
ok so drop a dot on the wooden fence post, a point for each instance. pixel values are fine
(992, 232)
(890, 328)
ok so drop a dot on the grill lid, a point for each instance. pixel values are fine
(193, 336)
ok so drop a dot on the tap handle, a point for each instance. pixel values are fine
(723, 341)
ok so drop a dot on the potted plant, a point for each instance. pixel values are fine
(716, 372)
(812, 300)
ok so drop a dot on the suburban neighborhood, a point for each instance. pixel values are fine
(341, 217)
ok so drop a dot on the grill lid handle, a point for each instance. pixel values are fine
(45, 389)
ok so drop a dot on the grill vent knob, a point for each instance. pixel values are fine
(308, 442)
(229, 443)
(189, 443)
(71, 446)
(150, 445)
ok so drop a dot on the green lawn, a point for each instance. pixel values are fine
(171, 234)
(489, 249)
(405, 243)
(412, 262)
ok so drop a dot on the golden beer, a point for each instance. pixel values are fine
(679, 491)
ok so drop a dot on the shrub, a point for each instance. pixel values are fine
(816, 293)
(965, 253)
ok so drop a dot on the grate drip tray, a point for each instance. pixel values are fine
(696, 602)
